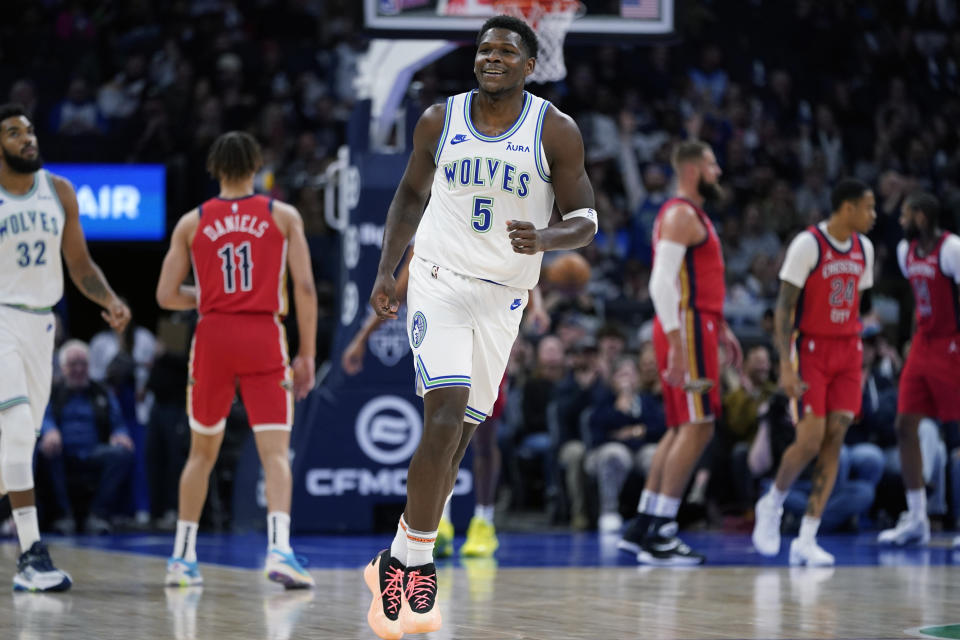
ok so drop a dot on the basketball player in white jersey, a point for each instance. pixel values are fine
(492, 161)
(38, 218)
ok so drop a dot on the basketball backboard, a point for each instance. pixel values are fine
(461, 19)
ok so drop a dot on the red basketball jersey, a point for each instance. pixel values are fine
(935, 294)
(239, 257)
(702, 287)
(830, 302)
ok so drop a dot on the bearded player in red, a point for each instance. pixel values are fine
(241, 245)
(929, 385)
(687, 289)
(823, 273)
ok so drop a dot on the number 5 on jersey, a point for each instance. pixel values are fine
(230, 267)
(482, 214)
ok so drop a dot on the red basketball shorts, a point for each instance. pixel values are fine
(245, 351)
(930, 381)
(698, 332)
(831, 367)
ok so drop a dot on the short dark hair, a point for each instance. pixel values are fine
(234, 155)
(927, 203)
(11, 110)
(688, 151)
(848, 189)
(518, 26)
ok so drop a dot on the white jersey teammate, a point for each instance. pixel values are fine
(39, 217)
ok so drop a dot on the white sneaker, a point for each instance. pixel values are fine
(610, 522)
(287, 569)
(766, 528)
(956, 542)
(909, 530)
(810, 554)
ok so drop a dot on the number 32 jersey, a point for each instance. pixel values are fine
(31, 229)
(832, 274)
(239, 257)
(481, 182)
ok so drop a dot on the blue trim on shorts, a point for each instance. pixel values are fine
(440, 381)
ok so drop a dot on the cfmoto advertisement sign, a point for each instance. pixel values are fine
(387, 430)
(119, 201)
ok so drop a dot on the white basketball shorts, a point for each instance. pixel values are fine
(461, 331)
(26, 359)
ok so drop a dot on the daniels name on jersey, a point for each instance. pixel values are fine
(481, 182)
(236, 224)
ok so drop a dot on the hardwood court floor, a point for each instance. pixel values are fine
(117, 595)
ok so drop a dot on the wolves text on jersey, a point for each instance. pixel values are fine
(487, 172)
(28, 221)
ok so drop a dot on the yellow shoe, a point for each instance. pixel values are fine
(481, 539)
(443, 547)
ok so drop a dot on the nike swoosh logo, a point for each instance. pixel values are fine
(457, 139)
(516, 303)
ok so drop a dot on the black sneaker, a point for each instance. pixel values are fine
(384, 578)
(35, 571)
(420, 613)
(662, 547)
(634, 533)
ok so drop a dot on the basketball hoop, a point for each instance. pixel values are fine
(551, 20)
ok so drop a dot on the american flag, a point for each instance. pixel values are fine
(643, 9)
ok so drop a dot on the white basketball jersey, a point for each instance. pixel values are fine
(31, 227)
(480, 183)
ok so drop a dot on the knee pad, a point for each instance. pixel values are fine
(18, 436)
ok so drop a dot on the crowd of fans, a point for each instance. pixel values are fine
(875, 94)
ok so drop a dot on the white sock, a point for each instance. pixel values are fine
(648, 502)
(808, 529)
(484, 512)
(446, 510)
(28, 528)
(278, 531)
(667, 507)
(398, 548)
(420, 547)
(778, 497)
(917, 503)
(185, 544)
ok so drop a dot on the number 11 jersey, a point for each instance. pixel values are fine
(239, 257)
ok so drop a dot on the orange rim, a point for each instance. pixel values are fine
(549, 6)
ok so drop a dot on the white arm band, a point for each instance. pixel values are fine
(589, 214)
(663, 283)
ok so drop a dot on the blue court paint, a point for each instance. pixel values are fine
(248, 550)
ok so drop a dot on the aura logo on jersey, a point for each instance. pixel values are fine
(418, 328)
(388, 429)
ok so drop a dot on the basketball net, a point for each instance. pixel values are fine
(551, 20)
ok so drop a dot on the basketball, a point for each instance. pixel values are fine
(570, 270)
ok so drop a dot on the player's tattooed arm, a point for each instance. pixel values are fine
(782, 333)
(84, 272)
(783, 318)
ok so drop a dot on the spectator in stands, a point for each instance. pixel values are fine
(78, 114)
(83, 437)
(624, 430)
(743, 408)
(575, 395)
